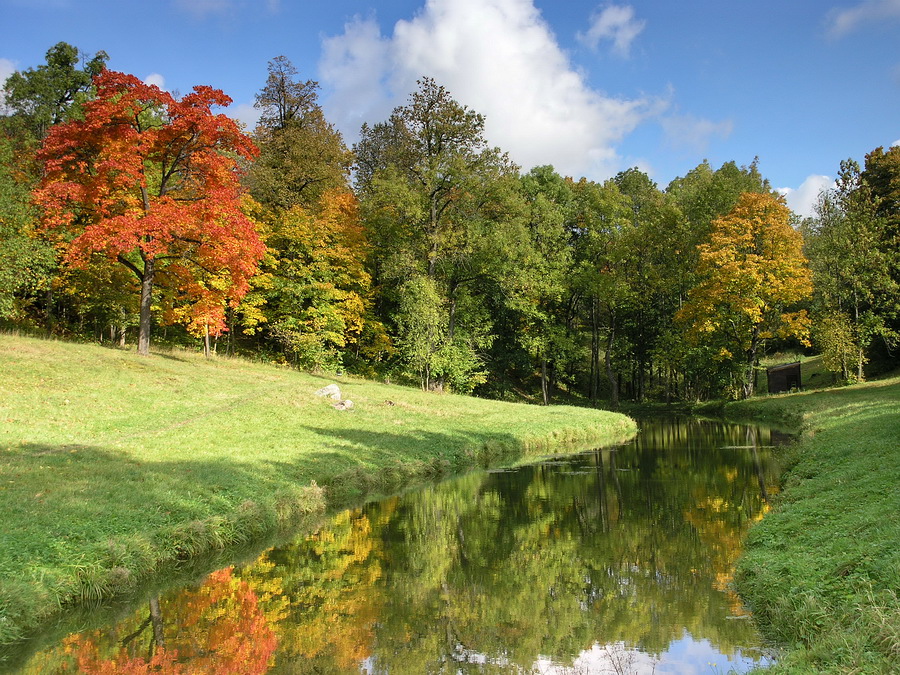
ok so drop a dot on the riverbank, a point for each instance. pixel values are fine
(821, 572)
(116, 467)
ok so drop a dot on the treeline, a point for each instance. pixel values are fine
(422, 254)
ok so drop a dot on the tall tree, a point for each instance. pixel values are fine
(855, 290)
(151, 181)
(601, 225)
(431, 191)
(699, 197)
(542, 279)
(882, 177)
(752, 271)
(302, 156)
(655, 282)
(40, 97)
(315, 289)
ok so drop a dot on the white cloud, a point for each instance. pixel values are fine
(615, 23)
(895, 143)
(356, 64)
(245, 113)
(842, 21)
(803, 199)
(500, 58)
(7, 68)
(694, 134)
(156, 79)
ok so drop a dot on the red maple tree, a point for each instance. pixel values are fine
(153, 183)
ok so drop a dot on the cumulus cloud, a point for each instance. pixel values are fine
(840, 22)
(500, 58)
(803, 199)
(156, 79)
(615, 23)
(7, 68)
(245, 113)
(357, 66)
(694, 134)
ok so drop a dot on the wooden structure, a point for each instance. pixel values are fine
(783, 377)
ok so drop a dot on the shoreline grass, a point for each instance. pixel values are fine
(116, 467)
(821, 572)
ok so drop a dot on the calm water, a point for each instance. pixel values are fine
(612, 561)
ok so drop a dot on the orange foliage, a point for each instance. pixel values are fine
(218, 629)
(145, 177)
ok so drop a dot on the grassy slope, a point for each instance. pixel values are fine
(113, 466)
(822, 571)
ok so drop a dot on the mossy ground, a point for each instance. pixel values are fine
(115, 467)
(822, 571)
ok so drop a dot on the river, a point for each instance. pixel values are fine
(617, 560)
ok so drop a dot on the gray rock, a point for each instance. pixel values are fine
(344, 405)
(331, 391)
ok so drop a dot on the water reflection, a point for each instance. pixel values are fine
(618, 560)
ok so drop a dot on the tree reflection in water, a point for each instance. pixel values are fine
(617, 560)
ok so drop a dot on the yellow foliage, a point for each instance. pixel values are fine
(752, 271)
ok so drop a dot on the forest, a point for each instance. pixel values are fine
(422, 254)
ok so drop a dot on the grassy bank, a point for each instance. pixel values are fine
(115, 467)
(822, 571)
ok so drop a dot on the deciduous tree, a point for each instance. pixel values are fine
(752, 271)
(40, 97)
(302, 156)
(855, 291)
(152, 182)
(434, 198)
(313, 282)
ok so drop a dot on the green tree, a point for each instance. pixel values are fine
(881, 175)
(752, 272)
(435, 202)
(601, 220)
(855, 290)
(541, 281)
(699, 197)
(302, 156)
(26, 262)
(51, 93)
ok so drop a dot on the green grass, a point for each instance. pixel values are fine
(114, 467)
(822, 571)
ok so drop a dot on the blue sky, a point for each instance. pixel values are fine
(590, 87)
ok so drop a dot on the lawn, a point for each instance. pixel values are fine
(822, 570)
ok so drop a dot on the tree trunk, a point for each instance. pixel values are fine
(156, 619)
(607, 357)
(860, 375)
(544, 388)
(747, 386)
(146, 299)
(206, 340)
(595, 353)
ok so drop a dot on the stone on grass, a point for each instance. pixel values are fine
(331, 391)
(344, 405)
